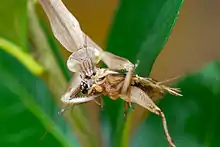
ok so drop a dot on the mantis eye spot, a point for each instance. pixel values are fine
(84, 87)
(84, 91)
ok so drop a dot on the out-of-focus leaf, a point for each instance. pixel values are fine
(193, 120)
(57, 76)
(141, 29)
(139, 32)
(13, 26)
(13, 33)
(26, 59)
(27, 109)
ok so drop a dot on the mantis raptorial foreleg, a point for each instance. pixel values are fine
(72, 101)
(69, 99)
(77, 100)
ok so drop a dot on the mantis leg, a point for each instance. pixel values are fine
(72, 101)
(125, 109)
(118, 63)
(100, 103)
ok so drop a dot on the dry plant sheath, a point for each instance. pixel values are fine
(90, 82)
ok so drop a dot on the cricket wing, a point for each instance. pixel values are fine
(64, 25)
(157, 87)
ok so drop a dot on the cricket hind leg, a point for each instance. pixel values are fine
(141, 98)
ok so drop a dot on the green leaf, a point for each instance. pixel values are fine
(139, 32)
(193, 120)
(13, 33)
(57, 76)
(13, 26)
(26, 59)
(27, 109)
(141, 29)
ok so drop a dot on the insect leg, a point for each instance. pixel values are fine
(64, 109)
(118, 63)
(77, 100)
(141, 98)
(97, 102)
(126, 106)
(100, 102)
(125, 109)
(127, 81)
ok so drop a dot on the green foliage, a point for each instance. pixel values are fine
(139, 32)
(13, 25)
(27, 109)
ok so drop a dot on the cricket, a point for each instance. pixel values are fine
(89, 82)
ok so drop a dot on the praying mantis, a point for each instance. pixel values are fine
(90, 82)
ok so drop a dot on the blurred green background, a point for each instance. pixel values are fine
(33, 73)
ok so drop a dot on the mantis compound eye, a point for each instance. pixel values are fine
(84, 87)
